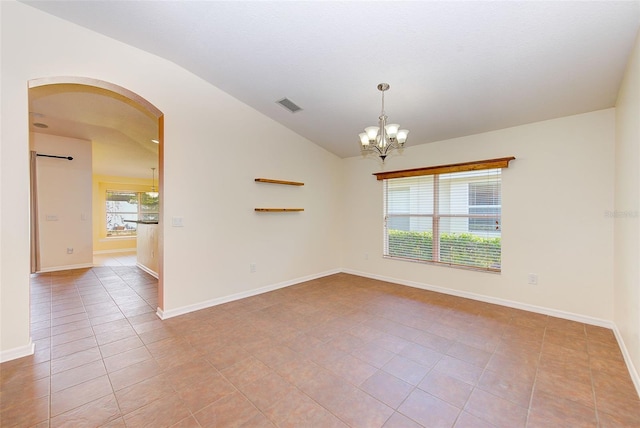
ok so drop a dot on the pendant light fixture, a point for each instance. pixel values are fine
(383, 138)
(153, 193)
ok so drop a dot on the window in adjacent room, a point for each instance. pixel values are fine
(128, 205)
(452, 218)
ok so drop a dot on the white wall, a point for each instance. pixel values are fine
(14, 223)
(210, 185)
(627, 209)
(554, 198)
(20, 336)
(64, 202)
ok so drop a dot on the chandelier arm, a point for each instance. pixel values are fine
(373, 147)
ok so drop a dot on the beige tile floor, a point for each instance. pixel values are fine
(127, 258)
(334, 352)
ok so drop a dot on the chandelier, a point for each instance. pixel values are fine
(383, 138)
(153, 193)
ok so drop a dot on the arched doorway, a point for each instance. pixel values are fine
(116, 104)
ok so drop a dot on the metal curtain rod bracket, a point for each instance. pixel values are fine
(54, 156)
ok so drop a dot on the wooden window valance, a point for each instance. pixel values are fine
(444, 169)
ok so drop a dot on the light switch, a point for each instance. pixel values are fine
(176, 222)
(52, 217)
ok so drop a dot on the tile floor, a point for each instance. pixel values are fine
(125, 258)
(333, 352)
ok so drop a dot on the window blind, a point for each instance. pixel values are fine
(452, 218)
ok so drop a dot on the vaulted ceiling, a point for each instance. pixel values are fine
(455, 68)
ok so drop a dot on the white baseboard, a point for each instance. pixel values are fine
(465, 294)
(68, 267)
(121, 250)
(147, 270)
(627, 359)
(488, 299)
(218, 301)
(22, 351)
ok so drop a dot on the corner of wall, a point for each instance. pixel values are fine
(626, 282)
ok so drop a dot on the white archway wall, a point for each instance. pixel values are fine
(212, 190)
(77, 221)
(124, 94)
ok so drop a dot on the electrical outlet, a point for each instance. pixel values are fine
(533, 279)
(69, 250)
(252, 267)
(366, 256)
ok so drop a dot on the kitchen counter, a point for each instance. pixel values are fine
(147, 247)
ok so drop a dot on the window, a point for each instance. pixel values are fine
(123, 207)
(451, 218)
(484, 198)
(399, 205)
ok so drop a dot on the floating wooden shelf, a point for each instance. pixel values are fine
(289, 183)
(278, 210)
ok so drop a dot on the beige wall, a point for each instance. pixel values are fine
(64, 202)
(554, 198)
(102, 183)
(209, 185)
(627, 209)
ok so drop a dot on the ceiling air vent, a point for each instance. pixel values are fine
(289, 105)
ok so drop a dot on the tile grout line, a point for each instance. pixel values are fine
(50, 352)
(77, 290)
(593, 387)
(91, 326)
(535, 377)
(144, 345)
(113, 391)
(475, 386)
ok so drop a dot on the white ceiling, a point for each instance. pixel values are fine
(455, 68)
(120, 130)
